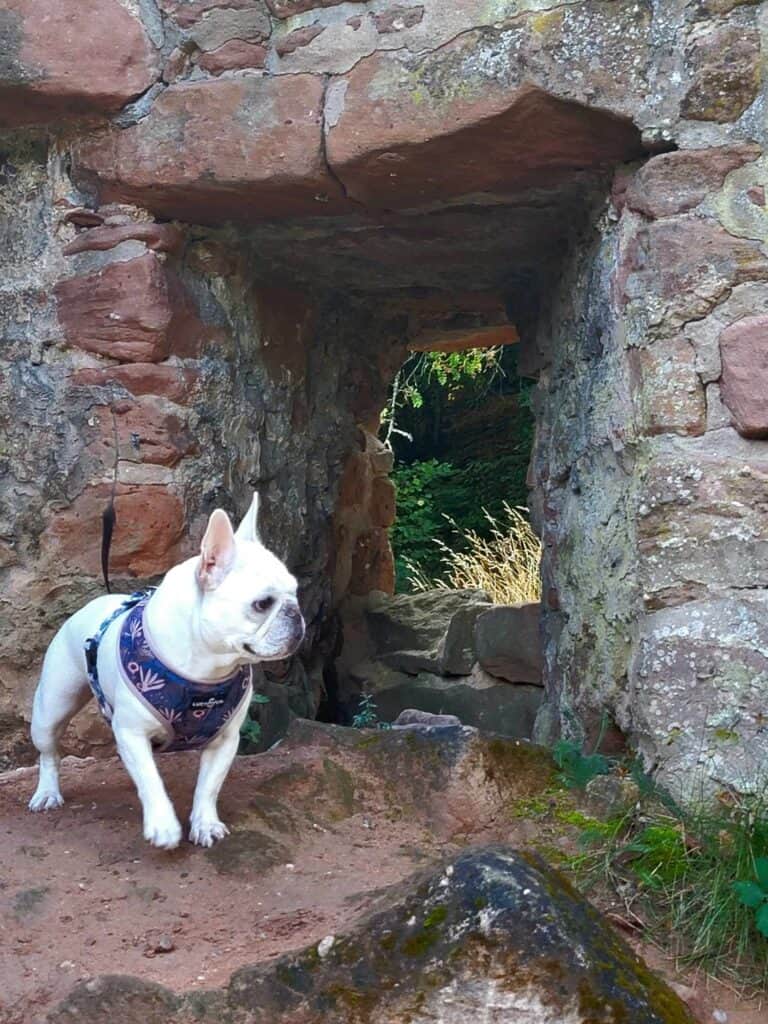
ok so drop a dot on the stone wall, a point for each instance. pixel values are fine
(222, 223)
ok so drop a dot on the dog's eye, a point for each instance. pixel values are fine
(263, 605)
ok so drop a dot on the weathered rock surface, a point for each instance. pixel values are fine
(456, 652)
(726, 73)
(477, 938)
(213, 151)
(744, 354)
(715, 649)
(415, 622)
(678, 182)
(508, 642)
(70, 58)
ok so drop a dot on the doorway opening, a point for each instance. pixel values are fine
(460, 635)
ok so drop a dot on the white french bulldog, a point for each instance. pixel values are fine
(233, 606)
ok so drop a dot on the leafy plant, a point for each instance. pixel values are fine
(250, 730)
(451, 371)
(658, 854)
(754, 895)
(577, 768)
(367, 716)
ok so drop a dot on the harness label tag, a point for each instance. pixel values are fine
(203, 703)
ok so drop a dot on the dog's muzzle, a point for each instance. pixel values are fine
(295, 621)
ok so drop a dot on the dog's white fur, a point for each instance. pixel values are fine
(206, 620)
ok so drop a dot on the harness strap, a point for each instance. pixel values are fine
(92, 649)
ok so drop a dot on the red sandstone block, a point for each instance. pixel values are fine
(134, 311)
(247, 148)
(147, 431)
(70, 57)
(167, 380)
(744, 352)
(148, 534)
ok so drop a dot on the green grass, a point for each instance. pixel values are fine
(697, 879)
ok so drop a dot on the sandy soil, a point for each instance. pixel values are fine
(81, 893)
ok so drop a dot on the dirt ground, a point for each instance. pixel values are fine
(82, 894)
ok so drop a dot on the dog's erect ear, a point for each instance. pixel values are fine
(217, 552)
(249, 528)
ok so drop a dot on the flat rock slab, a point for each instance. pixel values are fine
(415, 622)
(477, 700)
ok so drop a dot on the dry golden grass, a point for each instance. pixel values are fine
(504, 564)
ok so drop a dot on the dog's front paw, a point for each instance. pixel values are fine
(46, 800)
(163, 831)
(205, 831)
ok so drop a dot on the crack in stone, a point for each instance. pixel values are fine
(324, 129)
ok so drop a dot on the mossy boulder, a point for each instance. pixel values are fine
(491, 935)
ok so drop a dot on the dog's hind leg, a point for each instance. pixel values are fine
(63, 689)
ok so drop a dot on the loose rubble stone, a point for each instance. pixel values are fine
(456, 652)
(412, 718)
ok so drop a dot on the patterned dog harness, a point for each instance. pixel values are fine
(192, 713)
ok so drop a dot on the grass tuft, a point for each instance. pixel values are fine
(689, 877)
(505, 564)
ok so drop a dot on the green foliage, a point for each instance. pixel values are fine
(423, 489)
(658, 855)
(453, 370)
(250, 730)
(576, 768)
(695, 877)
(461, 427)
(434, 497)
(367, 716)
(754, 895)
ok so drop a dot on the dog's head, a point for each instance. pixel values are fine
(249, 604)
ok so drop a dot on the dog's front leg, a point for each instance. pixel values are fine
(215, 762)
(161, 826)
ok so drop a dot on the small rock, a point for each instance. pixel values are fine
(414, 718)
(720, 1017)
(325, 945)
(163, 944)
(609, 795)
